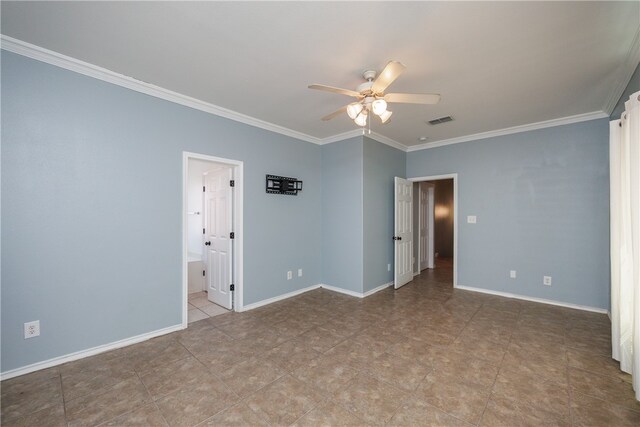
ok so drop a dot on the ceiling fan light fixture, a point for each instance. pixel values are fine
(379, 106)
(361, 120)
(385, 116)
(354, 109)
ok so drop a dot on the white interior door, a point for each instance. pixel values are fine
(403, 232)
(218, 210)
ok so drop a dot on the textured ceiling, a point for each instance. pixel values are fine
(496, 64)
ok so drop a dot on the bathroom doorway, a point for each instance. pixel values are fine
(212, 236)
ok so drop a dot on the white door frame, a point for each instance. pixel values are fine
(453, 176)
(238, 197)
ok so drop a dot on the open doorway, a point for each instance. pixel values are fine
(429, 204)
(212, 238)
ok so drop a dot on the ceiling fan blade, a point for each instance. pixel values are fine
(413, 98)
(387, 76)
(334, 114)
(336, 90)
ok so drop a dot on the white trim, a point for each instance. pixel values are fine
(633, 58)
(88, 352)
(38, 53)
(341, 136)
(279, 298)
(238, 228)
(511, 130)
(354, 293)
(534, 299)
(453, 176)
(50, 57)
(341, 290)
(378, 289)
(387, 141)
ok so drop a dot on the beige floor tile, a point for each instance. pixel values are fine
(540, 392)
(589, 411)
(326, 374)
(156, 352)
(601, 365)
(329, 414)
(292, 354)
(284, 401)
(213, 310)
(148, 415)
(96, 408)
(52, 416)
(239, 415)
(188, 407)
(371, 400)
(463, 400)
(321, 340)
(501, 411)
(23, 396)
(174, 376)
(419, 413)
(399, 371)
(527, 363)
(92, 379)
(251, 375)
(199, 301)
(611, 389)
(194, 315)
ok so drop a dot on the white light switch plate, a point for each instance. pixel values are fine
(471, 219)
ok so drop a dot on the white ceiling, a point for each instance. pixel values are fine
(496, 64)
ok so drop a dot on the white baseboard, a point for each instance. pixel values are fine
(378, 289)
(533, 299)
(342, 291)
(86, 353)
(354, 293)
(279, 298)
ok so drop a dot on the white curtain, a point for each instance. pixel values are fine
(624, 157)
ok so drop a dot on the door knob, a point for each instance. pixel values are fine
(207, 243)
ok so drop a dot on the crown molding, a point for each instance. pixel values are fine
(362, 132)
(59, 60)
(38, 53)
(388, 141)
(515, 129)
(629, 66)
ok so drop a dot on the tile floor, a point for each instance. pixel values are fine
(423, 355)
(201, 308)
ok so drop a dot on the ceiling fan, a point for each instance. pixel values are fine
(371, 97)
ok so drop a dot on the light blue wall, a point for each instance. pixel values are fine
(91, 209)
(542, 205)
(381, 164)
(632, 87)
(342, 253)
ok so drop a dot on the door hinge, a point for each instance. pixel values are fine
(232, 183)
(232, 287)
(203, 190)
(232, 235)
(203, 272)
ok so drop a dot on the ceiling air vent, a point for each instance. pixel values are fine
(437, 121)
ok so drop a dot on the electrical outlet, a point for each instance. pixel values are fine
(471, 219)
(388, 267)
(31, 329)
(289, 275)
(512, 274)
(546, 280)
(299, 272)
